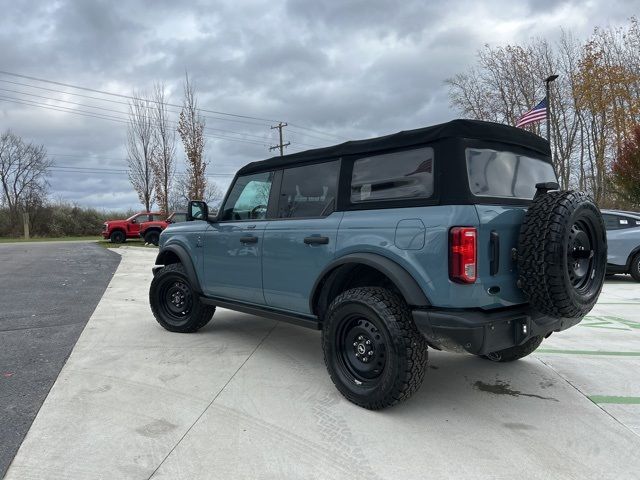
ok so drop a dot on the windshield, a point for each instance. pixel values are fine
(505, 174)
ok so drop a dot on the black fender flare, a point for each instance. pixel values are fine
(402, 279)
(185, 260)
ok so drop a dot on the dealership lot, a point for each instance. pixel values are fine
(250, 398)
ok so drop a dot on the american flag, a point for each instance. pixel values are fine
(537, 113)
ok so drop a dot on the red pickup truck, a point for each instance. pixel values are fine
(150, 231)
(120, 230)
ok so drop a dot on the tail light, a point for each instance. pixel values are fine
(463, 259)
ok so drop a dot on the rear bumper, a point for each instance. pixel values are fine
(481, 332)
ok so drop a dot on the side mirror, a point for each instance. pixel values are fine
(197, 210)
(133, 220)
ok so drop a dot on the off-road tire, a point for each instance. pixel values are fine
(152, 237)
(399, 361)
(117, 236)
(172, 281)
(634, 268)
(560, 230)
(515, 353)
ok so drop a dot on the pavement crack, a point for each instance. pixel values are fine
(213, 400)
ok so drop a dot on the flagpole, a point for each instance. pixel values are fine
(549, 79)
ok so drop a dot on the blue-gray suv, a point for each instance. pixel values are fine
(623, 239)
(453, 237)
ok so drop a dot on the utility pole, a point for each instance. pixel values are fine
(280, 145)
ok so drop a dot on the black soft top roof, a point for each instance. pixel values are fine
(473, 129)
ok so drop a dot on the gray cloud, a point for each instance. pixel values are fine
(353, 68)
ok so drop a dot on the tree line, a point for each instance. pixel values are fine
(151, 150)
(595, 103)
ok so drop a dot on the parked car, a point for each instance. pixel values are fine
(623, 238)
(150, 231)
(453, 237)
(120, 230)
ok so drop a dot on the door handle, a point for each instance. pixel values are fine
(250, 239)
(316, 240)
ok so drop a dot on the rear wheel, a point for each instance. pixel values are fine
(562, 254)
(174, 303)
(515, 353)
(117, 236)
(373, 351)
(634, 269)
(152, 237)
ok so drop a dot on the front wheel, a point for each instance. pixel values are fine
(634, 269)
(373, 351)
(152, 237)
(117, 236)
(174, 303)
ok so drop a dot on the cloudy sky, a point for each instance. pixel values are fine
(334, 70)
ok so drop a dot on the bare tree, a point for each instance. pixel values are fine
(141, 147)
(162, 159)
(24, 168)
(191, 129)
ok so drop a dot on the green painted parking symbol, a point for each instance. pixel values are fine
(609, 322)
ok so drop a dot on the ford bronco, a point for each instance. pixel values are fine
(453, 237)
(118, 231)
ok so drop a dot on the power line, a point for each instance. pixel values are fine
(117, 171)
(216, 112)
(119, 111)
(111, 117)
(122, 103)
(120, 95)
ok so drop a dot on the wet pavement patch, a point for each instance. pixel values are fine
(503, 388)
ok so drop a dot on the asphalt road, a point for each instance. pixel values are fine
(47, 294)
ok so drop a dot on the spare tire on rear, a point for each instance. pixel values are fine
(562, 254)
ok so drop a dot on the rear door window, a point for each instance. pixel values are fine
(392, 176)
(494, 173)
(309, 191)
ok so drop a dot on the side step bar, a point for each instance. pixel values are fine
(308, 321)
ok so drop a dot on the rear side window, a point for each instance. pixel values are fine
(407, 174)
(617, 222)
(309, 191)
(505, 174)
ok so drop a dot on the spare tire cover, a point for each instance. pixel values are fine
(562, 254)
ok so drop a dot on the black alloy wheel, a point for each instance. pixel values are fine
(176, 300)
(374, 353)
(580, 253)
(174, 303)
(361, 348)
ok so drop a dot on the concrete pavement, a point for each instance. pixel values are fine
(250, 398)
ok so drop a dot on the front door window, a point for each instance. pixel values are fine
(249, 198)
